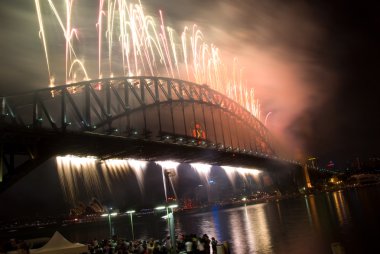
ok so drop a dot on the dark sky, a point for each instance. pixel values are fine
(314, 64)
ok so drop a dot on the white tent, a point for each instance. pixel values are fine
(60, 245)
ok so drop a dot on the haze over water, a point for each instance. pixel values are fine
(307, 224)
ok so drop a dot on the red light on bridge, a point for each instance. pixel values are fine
(198, 132)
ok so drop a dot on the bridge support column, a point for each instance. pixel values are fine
(307, 177)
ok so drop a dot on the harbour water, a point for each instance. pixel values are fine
(307, 224)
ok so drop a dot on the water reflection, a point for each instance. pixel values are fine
(257, 229)
(245, 228)
(279, 212)
(235, 225)
(341, 207)
(217, 224)
(312, 212)
(273, 227)
(249, 230)
(250, 234)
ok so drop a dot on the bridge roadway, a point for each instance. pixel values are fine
(147, 118)
(39, 146)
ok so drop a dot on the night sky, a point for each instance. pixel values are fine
(314, 65)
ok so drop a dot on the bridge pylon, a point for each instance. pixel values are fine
(307, 177)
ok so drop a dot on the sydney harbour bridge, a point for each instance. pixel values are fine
(150, 118)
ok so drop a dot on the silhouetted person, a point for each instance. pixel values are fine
(213, 244)
(206, 241)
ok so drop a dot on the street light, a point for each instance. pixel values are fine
(170, 222)
(244, 199)
(173, 206)
(109, 220)
(130, 212)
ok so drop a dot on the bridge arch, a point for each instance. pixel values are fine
(153, 108)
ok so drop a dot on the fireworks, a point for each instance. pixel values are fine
(76, 172)
(131, 43)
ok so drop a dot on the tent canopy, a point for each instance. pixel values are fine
(60, 245)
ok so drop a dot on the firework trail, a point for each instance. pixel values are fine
(129, 38)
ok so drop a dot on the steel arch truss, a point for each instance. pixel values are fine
(149, 108)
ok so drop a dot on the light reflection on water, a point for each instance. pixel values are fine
(257, 229)
(245, 228)
(249, 230)
(312, 212)
(236, 228)
(301, 225)
(341, 207)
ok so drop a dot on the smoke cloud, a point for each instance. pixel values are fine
(280, 47)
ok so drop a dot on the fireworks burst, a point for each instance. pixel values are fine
(131, 43)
